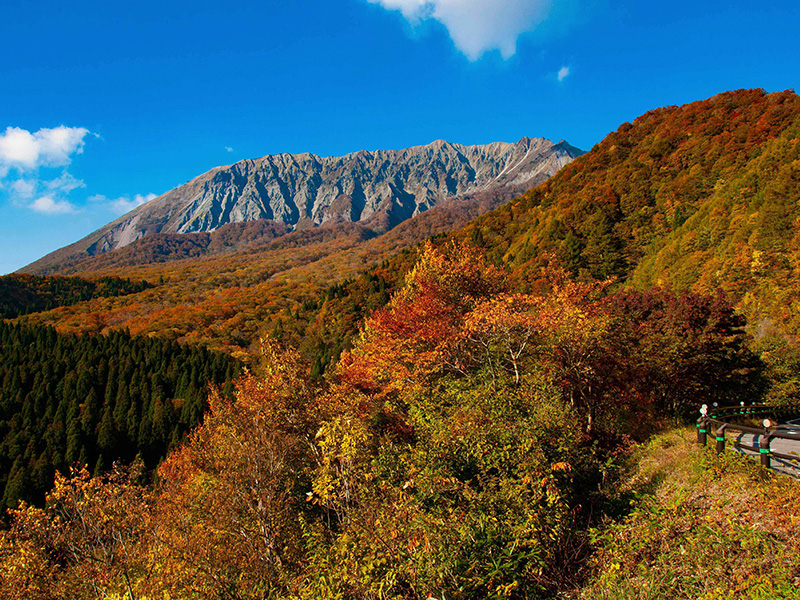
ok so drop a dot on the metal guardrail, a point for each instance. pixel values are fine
(719, 420)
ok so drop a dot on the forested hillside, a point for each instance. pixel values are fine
(655, 203)
(93, 400)
(22, 294)
(699, 196)
(461, 449)
(454, 419)
(228, 300)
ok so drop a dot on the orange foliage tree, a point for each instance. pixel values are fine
(420, 331)
(92, 540)
(229, 497)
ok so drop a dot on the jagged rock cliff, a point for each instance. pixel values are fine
(379, 189)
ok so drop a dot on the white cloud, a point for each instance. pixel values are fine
(228, 149)
(563, 73)
(123, 204)
(50, 206)
(23, 154)
(477, 26)
(63, 184)
(51, 193)
(23, 188)
(411, 9)
(24, 150)
(26, 156)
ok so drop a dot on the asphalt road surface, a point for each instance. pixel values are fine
(790, 447)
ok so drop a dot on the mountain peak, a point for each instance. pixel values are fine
(379, 188)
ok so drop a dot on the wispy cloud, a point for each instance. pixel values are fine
(123, 204)
(477, 26)
(33, 171)
(563, 73)
(23, 189)
(23, 157)
(63, 184)
(51, 206)
(228, 149)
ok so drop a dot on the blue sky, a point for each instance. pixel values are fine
(103, 105)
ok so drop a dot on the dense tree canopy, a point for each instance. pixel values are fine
(451, 415)
(696, 197)
(67, 400)
(22, 294)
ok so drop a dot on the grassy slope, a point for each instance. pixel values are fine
(698, 526)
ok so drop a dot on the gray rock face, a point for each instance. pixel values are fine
(382, 188)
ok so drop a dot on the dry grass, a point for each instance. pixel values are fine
(699, 526)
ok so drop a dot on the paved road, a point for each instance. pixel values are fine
(791, 447)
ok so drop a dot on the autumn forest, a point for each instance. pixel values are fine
(484, 401)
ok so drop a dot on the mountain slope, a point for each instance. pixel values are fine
(227, 301)
(699, 197)
(379, 189)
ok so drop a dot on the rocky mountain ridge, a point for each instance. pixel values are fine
(378, 189)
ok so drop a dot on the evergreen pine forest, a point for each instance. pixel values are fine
(503, 409)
